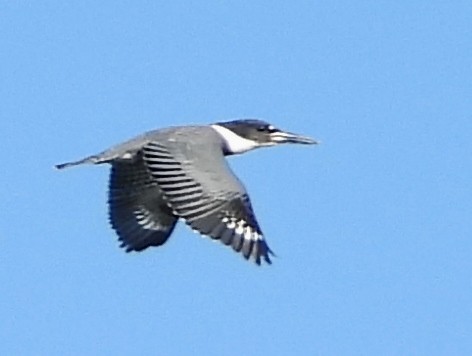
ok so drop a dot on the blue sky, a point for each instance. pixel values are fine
(372, 228)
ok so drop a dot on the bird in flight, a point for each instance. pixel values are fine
(180, 172)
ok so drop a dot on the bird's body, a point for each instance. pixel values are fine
(181, 173)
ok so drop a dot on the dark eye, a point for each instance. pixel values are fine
(267, 128)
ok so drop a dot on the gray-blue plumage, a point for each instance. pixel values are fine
(181, 172)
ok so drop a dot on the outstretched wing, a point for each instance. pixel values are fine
(137, 210)
(203, 191)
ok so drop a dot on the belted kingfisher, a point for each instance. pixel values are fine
(181, 173)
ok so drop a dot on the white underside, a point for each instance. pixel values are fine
(234, 143)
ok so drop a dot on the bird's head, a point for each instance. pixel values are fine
(243, 135)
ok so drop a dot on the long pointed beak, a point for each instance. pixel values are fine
(288, 137)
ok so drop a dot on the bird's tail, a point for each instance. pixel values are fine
(90, 159)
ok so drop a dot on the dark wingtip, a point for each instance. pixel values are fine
(268, 254)
(267, 257)
(263, 252)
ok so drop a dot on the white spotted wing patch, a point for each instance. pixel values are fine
(245, 238)
(242, 229)
(144, 218)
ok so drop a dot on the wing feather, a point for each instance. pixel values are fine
(206, 194)
(137, 210)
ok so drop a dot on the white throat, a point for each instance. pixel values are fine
(234, 143)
